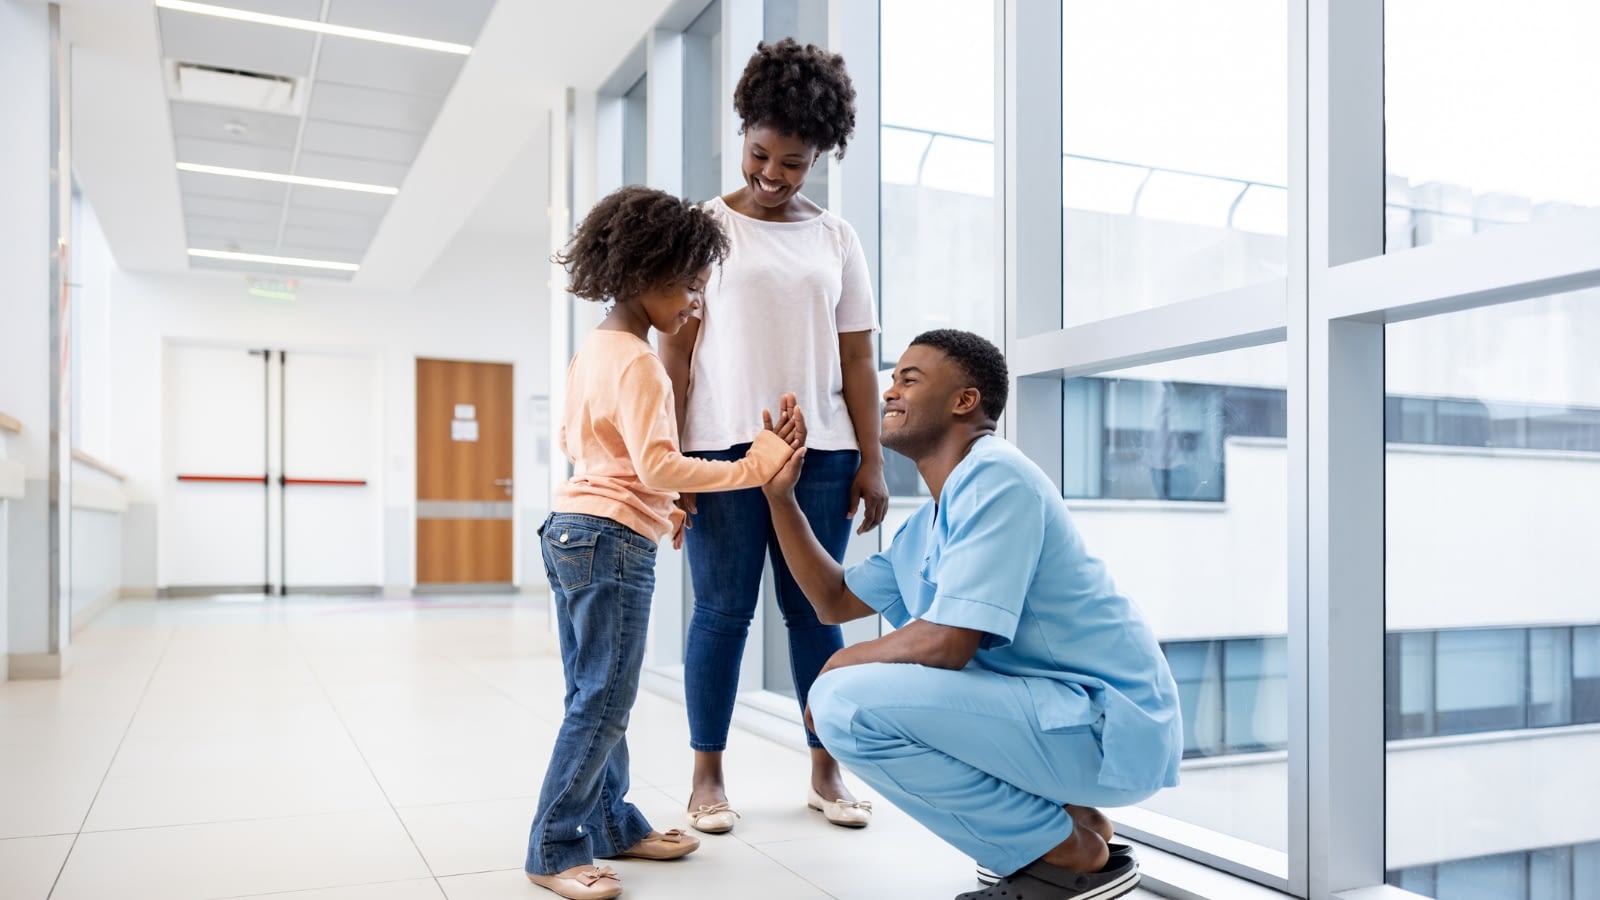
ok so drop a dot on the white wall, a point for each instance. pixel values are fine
(483, 300)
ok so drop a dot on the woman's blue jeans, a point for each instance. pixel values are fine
(602, 575)
(731, 537)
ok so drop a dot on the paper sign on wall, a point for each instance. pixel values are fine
(466, 411)
(464, 430)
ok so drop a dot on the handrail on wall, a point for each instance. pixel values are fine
(9, 424)
(97, 465)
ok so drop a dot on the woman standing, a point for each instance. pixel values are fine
(791, 308)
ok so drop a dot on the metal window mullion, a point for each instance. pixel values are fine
(1297, 289)
(1029, 154)
(1344, 454)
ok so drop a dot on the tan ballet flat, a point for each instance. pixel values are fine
(582, 882)
(845, 813)
(715, 819)
(655, 845)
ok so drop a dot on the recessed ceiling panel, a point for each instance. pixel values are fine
(348, 168)
(366, 143)
(235, 210)
(327, 218)
(194, 183)
(239, 126)
(339, 201)
(348, 241)
(242, 46)
(369, 106)
(403, 69)
(231, 228)
(294, 9)
(456, 21)
(210, 241)
(233, 156)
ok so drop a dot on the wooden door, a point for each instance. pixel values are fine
(464, 462)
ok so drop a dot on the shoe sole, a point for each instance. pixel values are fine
(1112, 889)
(836, 821)
(990, 878)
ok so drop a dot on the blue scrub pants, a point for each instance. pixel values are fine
(962, 753)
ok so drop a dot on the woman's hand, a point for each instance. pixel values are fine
(871, 492)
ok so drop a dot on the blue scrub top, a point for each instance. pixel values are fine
(999, 554)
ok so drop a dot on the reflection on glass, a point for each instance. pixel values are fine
(1142, 446)
(1492, 467)
(1481, 121)
(1175, 138)
(705, 105)
(635, 132)
(937, 175)
(807, 22)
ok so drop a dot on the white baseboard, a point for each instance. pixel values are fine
(148, 592)
(37, 666)
(89, 613)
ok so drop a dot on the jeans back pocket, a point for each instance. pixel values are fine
(570, 551)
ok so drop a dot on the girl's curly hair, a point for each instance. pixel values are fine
(803, 91)
(637, 239)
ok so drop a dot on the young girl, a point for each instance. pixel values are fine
(792, 305)
(652, 254)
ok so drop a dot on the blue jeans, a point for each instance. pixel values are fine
(732, 534)
(602, 576)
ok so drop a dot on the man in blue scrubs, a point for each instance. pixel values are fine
(1019, 691)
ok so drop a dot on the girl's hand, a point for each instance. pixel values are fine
(791, 422)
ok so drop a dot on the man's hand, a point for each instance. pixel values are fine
(781, 486)
(871, 492)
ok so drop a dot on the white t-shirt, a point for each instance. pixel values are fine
(770, 325)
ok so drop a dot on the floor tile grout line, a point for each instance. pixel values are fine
(294, 637)
(292, 891)
(111, 763)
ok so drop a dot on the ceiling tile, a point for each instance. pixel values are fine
(374, 205)
(336, 102)
(232, 228)
(237, 210)
(232, 188)
(402, 69)
(339, 238)
(234, 156)
(300, 216)
(294, 9)
(200, 120)
(456, 21)
(356, 140)
(347, 168)
(335, 244)
(242, 46)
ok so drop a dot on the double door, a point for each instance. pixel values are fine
(271, 460)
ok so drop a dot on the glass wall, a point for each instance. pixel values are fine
(1490, 596)
(1483, 125)
(636, 132)
(1140, 447)
(1174, 171)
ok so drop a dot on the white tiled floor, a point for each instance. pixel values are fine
(338, 749)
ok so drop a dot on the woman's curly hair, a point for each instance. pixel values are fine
(803, 91)
(637, 239)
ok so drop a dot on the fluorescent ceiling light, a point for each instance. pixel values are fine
(277, 260)
(244, 15)
(289, 179)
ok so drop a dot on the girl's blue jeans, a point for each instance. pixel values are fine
(602, 575)
(731, 537)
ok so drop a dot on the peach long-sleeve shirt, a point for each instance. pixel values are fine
(620, 431)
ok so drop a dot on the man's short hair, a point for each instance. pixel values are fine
(982, 363)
